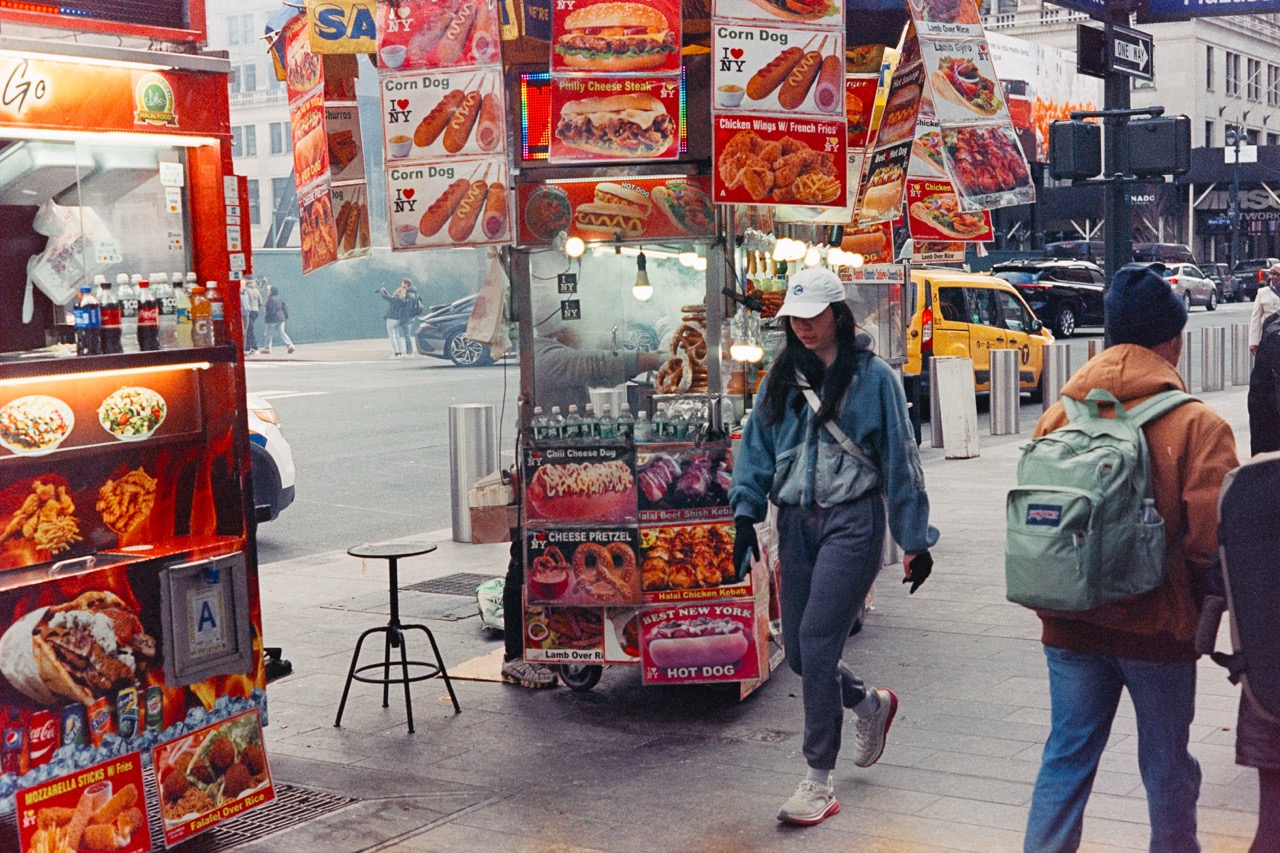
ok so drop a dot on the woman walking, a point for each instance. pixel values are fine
(394, 315)
(829, 443)
(276, 312)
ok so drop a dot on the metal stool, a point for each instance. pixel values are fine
(394, 632)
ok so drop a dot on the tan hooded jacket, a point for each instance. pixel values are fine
(1192, 448)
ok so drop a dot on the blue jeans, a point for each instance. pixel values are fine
(1084, 690)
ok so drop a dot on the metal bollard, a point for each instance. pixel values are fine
(473, 453)
(1095, 346)
(935, 409)
(1213, 354)
(1005, 402)
(1241, 358)
(1056, 372)
(1184, 360)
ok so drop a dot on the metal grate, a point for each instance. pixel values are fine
(462, 583)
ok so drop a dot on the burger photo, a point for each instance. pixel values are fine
(616, 37)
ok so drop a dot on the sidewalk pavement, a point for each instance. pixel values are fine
(632, 768)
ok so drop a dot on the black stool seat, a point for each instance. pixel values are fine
(394, 632)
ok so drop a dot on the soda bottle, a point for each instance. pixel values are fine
(166, 303)
(608, 428)
(218, 317)
(13, 751)
(128, 296)
(155, 708)
(201, 318)
(572, 424)
(182, 314)
(88, 318)
(626, 425)
(556, 430)
(643, 428)
(590, 423)
(42, 737)
(148, 318)
(538, 426)
(109, 308)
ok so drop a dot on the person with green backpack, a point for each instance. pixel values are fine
(1112, 530)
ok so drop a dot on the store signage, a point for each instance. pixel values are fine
(570, 309)
(154, 99)
(342, 26)
(113, 788)
(1132, 52)
(20, 85)
(567, 282)
(625, 208)
(1158, 10)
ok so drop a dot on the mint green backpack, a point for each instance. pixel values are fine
(1079, 535)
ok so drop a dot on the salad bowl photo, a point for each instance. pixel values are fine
(133, 413)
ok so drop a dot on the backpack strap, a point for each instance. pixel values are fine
(836, 432)
(1141, 414)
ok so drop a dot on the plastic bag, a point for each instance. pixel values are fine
(489, 600)
(69, 258)
(485, 324)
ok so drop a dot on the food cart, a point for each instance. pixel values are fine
(131, 659)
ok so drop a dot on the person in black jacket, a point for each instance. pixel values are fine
(395, 313)
(1264, 389)
(276, 312)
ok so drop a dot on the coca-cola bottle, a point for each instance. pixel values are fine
(148, 318)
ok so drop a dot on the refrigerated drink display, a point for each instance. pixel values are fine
(127, 293)
(109, 308)
(148, 318)
(88, 320)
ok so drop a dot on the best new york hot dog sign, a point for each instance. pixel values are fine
(699, 643)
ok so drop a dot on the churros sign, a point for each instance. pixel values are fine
(98, 808)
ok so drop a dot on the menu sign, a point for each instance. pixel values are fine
(859, 103)
(962, 79)
(774, 70)
(624, 208)
(304, 73)
(420, 35)
(987, 166)
(615, 38)
(699, 643)
(591, 567)
(680, 483)
(773, 160)
(463, 202)
(934, 214)
(810, 13)
(883, 186)
(442, 114)
(689, 562)
(610, 119)
(946, 17)
(345, 147)
(102, 807)
(564, 634)
(581, 484)
(352, 203)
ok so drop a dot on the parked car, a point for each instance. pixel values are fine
(1092, 251)
(968, 315)
(1165, 253)
(1064, 294)
(1190, 283)
(270, 459)
(1220, 275)
(442, 334)
(1251, 275)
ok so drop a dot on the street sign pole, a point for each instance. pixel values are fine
(1118, 217)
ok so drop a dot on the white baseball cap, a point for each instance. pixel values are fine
(809, 293)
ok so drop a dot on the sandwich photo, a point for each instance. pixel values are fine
(959, 81)
(624, 126)
(884, 191)
(942, 213)
(616, 37)
(615, 211)
(687, 207)
(927, 150)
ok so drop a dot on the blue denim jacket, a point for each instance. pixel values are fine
(794, 462)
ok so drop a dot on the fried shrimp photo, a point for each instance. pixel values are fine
(47, 518)
(126, 502)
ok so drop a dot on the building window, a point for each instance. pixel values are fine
(1251, 136)
(1208, 68)
(233, 30)
(281, 137)
(255, 211)
(1233, 73)
(1273, 138)
(233, 80)
(246, 29)
(1253, 85)
(281, 189)
(1273, 85)
(250, 140)
(250, 77)
(237, 141)
(1208, 134)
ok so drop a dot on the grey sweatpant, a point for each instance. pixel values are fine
(829, 559)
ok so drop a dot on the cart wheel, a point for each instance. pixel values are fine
(580, 677)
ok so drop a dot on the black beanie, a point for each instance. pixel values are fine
(1142, 308)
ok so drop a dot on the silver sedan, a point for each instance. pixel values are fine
(1192, 285)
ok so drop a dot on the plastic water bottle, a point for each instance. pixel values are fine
(109, 307)
(166, 311)
(643, 430)
(538, 426)
(608, 429)
(590, 423)
(148, 318)
(555, 428)
(625, 428)
(660, 423)
(127, 293)
(182, 314)
(572, 425)
(88, 319)
(1149, 513)
(217, 314)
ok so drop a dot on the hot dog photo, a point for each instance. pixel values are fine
(814, 13)
(351, 201)
(699, 643)
(962, 79)
(898, 119)
(441, 205)
(616, 37)
(442, 115)
(584, 484)
(598, 120)
(592, 567)
(628, 207)
(883, 184)
(420, 35)
(771, 70)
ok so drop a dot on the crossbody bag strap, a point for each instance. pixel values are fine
(838, 434)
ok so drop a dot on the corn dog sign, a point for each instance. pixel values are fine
(101, 807)
(441, 205)
(760, 69)
(443, 114)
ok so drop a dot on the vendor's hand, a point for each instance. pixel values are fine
(746, 547)
(918, 567)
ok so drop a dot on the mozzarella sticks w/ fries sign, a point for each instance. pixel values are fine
(101, 807)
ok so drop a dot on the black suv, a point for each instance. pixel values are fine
(1250, 275)
(1064, 294)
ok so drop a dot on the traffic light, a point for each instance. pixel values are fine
(1159, 146)
(1075, 150)
(1235, 134)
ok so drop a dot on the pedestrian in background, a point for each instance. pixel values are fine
(827, 442)
(1264, 379)
(1144, 644)
(395, 314)
(250, 305)
(1265, 303)
(275, 313)
(409, 314)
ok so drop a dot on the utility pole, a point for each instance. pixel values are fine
(1234, 132)
(1117, 229)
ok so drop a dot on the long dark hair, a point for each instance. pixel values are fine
(834, 380)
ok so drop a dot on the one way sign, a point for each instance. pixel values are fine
(1132, 52)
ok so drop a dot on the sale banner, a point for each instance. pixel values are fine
(962, 80)
(769, 160)
(760, 69)
(102, 807)
(689, 562)
(609, 37)
(934, 214)
(564, 634)
(622, 208)
(345, 148)
(580, 484)
(443, 114)
(422, 35)
(614, 119)
(946, 17)
(859, 104)
(342, 26)
(587, 566)
(699, 643)
(880, 198)
(828, 14)
(212, 775)
(351, 201)
(454, 203)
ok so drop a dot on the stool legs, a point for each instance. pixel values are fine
(444, 673)
(351, 671)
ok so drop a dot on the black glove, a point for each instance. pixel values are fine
(919, 571)
(745, 545)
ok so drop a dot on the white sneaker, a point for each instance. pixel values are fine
(813, 802)
(528, 674)
(869, 734)
(395, 355)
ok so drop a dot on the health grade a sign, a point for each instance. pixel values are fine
(342, 26)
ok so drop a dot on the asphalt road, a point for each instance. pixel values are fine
(370, 439)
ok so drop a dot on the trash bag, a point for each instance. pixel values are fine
(489, 601)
